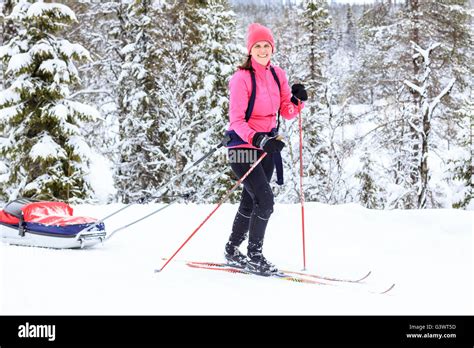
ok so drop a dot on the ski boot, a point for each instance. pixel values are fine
(234, 257)
(259, 265)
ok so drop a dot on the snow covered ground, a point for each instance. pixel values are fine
(428, 254)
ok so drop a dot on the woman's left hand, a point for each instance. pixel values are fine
(299, 93)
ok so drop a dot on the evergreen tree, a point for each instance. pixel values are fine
(215, 62)
(101, 25)
(369, 193)
(314, 22)
(46, 150)
(142, 140)
(7, 31)
(184, 110)
(460, 167)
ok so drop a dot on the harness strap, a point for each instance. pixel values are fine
(275, 76)
(253, 95)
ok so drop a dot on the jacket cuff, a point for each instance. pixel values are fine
(250, 139)
(294, 100)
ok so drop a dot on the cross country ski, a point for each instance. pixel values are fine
(292, 276)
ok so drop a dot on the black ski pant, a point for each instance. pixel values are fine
(256, 203)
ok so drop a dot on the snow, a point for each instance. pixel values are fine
(19, 61)
(208, 82)
(46, 147)
(18, 10)
(39, 9)
(128, 49)
(9, 96)
(22, 84)
(100, 177)
(35, 185)
(56, 67)
(84, 109)
(60, 111)
(80, 146)
(419, 90)
(42, 48)
(9, 112)
(69, 49)
(427, 253)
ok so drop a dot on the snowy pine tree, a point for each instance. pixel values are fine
(174, 97)
(460, 167)
(313, 22)
(286, 31)
(45, 148)
(215, 62)
(101, 26)
(369, 193)
(143, 144)
(7, 30)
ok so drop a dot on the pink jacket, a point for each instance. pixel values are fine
(267, 101)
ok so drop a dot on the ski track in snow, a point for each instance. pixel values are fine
(428, 254)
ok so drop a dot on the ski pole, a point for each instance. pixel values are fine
(217, 207)
(146, 216)
(301, 183)
(222, 143)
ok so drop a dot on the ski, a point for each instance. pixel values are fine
(286, 274)
(360, 280)
(230, 269)
(385, 291)
(280, 275)
(315, 276)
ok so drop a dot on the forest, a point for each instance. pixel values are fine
(105, 101)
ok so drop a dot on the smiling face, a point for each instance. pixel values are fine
(262, 52)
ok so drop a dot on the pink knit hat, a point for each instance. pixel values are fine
(257, 32)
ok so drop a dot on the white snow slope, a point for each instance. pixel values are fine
(428, 254)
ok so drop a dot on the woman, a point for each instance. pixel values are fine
(252, 130)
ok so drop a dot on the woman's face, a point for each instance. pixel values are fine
(261, 52)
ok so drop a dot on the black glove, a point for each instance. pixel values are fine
(298, 92)
(266, 143)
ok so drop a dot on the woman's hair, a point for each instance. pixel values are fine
(247, 65)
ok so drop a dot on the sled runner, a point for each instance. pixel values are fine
(48, 224)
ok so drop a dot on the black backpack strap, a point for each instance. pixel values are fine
(248, 113)
(275, 76)
(253, 95)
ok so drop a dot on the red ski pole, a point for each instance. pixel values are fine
(301, 183)
(217, 207)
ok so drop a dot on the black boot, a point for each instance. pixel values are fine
(234, 257)
(240, 229)
(239, 233)
(257, 263)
